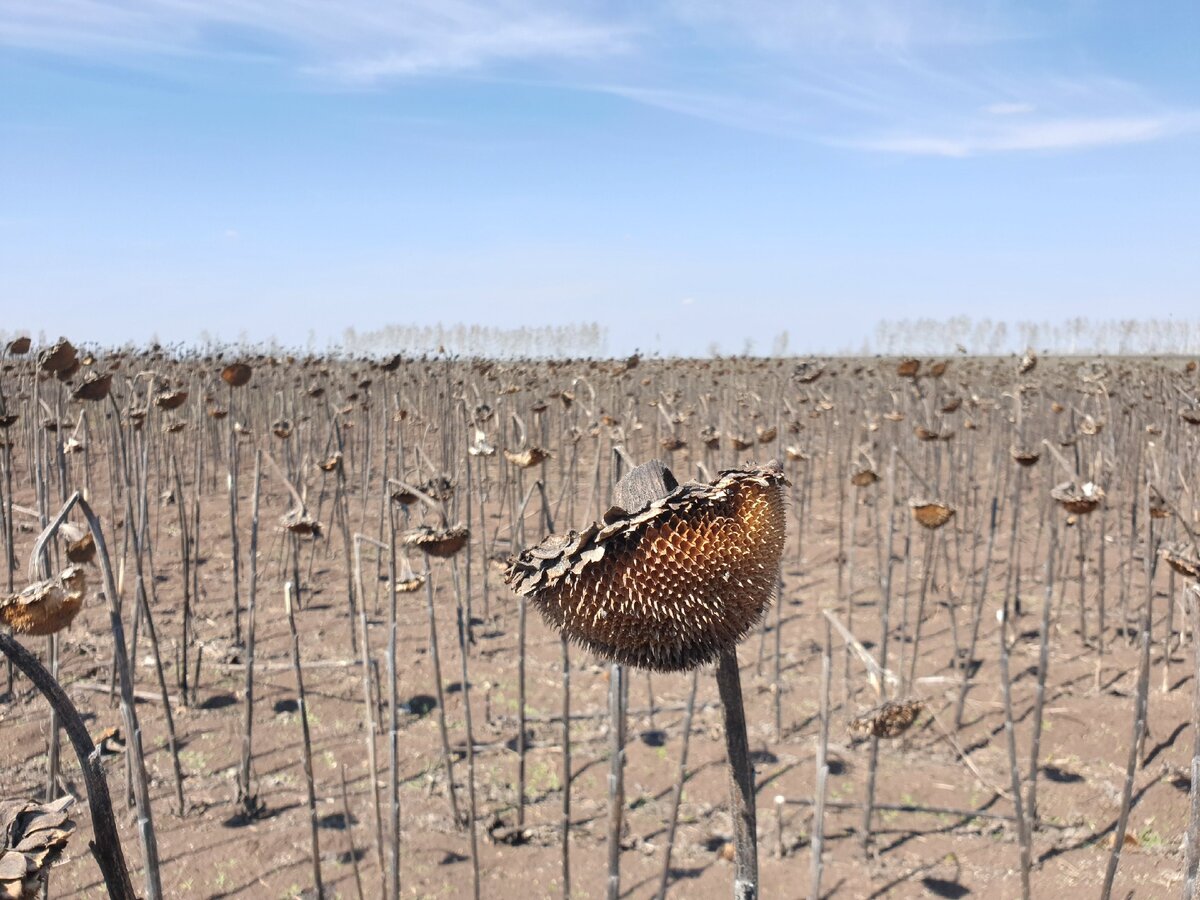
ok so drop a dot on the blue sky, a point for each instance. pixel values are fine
(683, 172)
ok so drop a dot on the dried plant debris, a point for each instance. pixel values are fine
(527, 458)
(32, 838)
(439, 487)
(81, 547)
(808, 372)
(481, 447)
(46, 607)
(1159, 507)
(950, 404)
(671, 586)
(410, 584)
(888, 720)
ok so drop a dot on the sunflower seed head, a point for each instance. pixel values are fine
(672, 585)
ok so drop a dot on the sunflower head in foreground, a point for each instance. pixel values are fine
(670, 586)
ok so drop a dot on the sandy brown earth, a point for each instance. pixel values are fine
(962, 842)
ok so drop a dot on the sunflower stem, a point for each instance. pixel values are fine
(741, 777)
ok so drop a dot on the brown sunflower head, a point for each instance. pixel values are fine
(45, 607)
(62, 357)
(300, 521)
(440, 542)
(236, 374)
(32, 838)
(1183, 559)
(1078, 499)
(94, 387)
(864, 477)
(1024, 457)
(670, 586)
(931, 514)
(171, 399)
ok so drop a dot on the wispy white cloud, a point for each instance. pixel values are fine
(915, 77)
(846, 25)
(764, 115)
(359, 40)
(1008, 109)
(1043, 135)
(473, 48)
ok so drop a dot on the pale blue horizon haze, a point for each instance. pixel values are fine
(686, 173)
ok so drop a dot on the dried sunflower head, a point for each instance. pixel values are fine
(62, 357)
(46, 607)
(931, 514)
(439, 542)
(1024, 457)
(1078, 499)
(301, 522)
(94, 387)
(170, 399)
(1182, 558)
(236, 374)
(32, 837)
(864, 478)
(670, 586)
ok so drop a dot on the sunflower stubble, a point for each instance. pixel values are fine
(669, 587)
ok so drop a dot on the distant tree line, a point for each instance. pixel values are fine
(584, 339)
(890, 337)
(580, 340)
(1071, 336)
